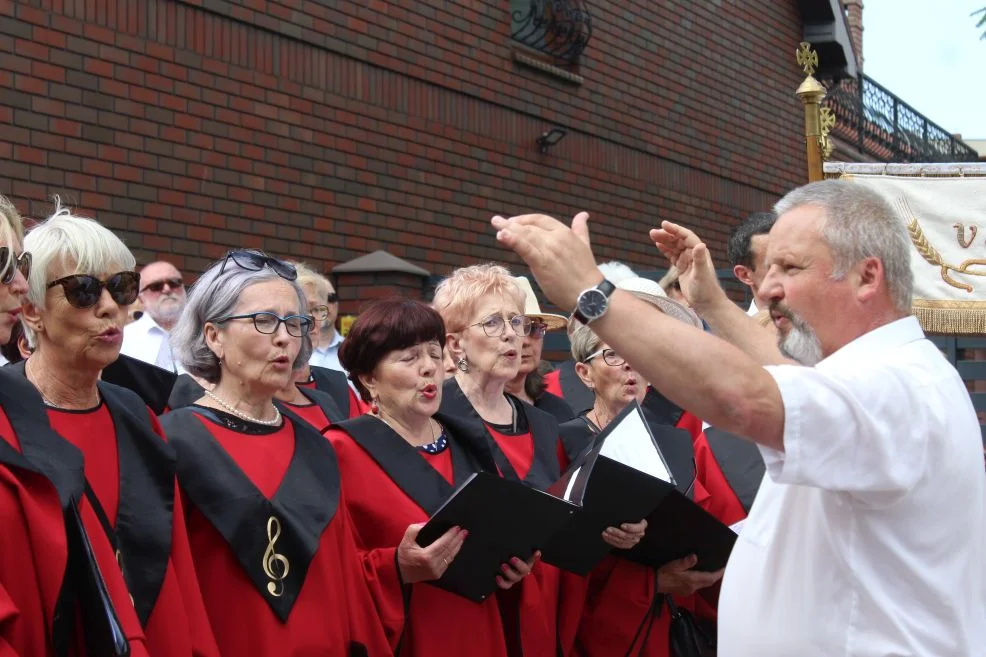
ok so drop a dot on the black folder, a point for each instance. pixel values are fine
(504, 518)
(104, 635)
(610, 493)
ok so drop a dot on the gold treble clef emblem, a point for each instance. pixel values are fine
(276, 565)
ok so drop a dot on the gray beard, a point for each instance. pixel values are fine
(168, 314)
(801, 344)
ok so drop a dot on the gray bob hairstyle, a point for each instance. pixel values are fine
(216, 295)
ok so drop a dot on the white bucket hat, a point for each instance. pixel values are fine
(651, 292)
(533, 309)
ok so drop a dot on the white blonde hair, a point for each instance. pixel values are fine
(64, 239)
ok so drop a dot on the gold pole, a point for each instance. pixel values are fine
(811, 92)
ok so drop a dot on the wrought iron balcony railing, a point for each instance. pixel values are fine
(880, 124)
(560, 29)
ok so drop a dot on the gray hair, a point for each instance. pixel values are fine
(67, 239)
(584, 341)
(859, 223)
(215, 295)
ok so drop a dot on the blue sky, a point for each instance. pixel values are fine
(929, 54)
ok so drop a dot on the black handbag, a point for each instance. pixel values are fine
(687, 638)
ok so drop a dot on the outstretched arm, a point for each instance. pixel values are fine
(697, 371)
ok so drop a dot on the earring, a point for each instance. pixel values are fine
(374, 407)
(463, 364)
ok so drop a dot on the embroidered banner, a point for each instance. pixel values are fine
(944, 209)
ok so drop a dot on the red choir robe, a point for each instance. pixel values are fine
(131, 473)
(41, 476)
(336, 384)
(389, 485)
(321, 410)
(547, 604)
(273, 541)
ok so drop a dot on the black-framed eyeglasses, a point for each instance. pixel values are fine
(320, 313)
(83, 291)
(256, 260)
(158, 286)
(538, 329)
(12, 264)
(332, 297)
(610, 357)
(268, 323)
(494, 325)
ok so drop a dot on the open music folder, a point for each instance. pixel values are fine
(504, 518)
(624, 477)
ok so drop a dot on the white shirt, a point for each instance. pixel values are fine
(147, 341)
(868, 536)
(328, 356)
(752, 310)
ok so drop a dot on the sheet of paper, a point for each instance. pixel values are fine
(571, 484)
(630, 443)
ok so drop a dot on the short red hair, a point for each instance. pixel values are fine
(383, 327)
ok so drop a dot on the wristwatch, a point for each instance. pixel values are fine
(593, 302)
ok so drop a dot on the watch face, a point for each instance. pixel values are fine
(593, 303)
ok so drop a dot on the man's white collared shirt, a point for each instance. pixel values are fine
(146, 341)
(868, 534)
(328, 356)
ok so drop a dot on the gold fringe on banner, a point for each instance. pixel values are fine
(951, 317)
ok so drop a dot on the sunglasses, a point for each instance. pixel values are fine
(332, 297)
(83, 291)
(538, 329)
(158, 286)
(257, 260)
(12, 264)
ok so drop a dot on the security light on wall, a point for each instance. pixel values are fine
(550, 138)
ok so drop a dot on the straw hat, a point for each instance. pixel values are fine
(533, 309)
(652, 292)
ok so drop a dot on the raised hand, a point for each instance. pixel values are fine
(422, 564)
(678, 578)
(697, 273)
(559, 256)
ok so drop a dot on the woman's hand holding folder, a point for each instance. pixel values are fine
(423, 564)
(516, 570)
(626, 536)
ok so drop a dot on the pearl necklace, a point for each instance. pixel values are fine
(243, 416)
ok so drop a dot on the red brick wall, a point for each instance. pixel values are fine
(324, 130)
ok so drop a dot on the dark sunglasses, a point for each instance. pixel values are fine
(257, 260)
(158, 286)
(332, 297)
(12, 263)
(83, 290)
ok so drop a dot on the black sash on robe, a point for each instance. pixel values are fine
(405, 465)
(326, 403)
(264, 534)
(739, 459)
(336, 384)
(146, 495)
(555, 406)
(185, 392)
(575, 393)
(152, 384)
(457, 409)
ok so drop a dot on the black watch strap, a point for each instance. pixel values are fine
(606, 288)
